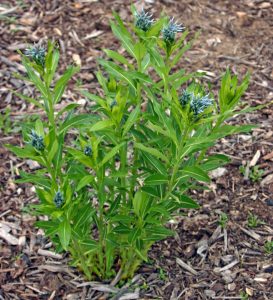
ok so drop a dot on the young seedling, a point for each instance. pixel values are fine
(254, 173)
(223, 220)
(268, 247)
(253, 221)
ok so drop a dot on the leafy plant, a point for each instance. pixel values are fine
(5, 122)
(253, 221)
(244, 295)
(254, 173)
(223, 220)
(110, 185)
(268, 247)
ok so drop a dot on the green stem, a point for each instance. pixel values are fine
(51, 171)
(177, 163)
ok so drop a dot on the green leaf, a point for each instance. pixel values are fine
(100, 125)
(152, 151)
(89, 245)
(134, 234)
(84, 182)
(53, 150)
(62, 82)
(157, 233)
(76, 121)
(123, 35)
(67, 108)
(139, 51)
(156, 179)
(131, 120)
(117, 71)
(196, 173)
(155, 163)
(141, 204)
(187, 202)
(111, 154)
(140, 76)
(28, 99)
(35, 78)
(39, 127)
(116, 56)
(64, 232)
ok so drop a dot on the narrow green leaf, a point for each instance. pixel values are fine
(131, 120)
(117, 71)
(111, 154)
(196, 173)
(53, 150)
(100, 125)
(64, 232)
(156, 179)
(84, 182)
(152, 151)
(62, 82)
(116, 56)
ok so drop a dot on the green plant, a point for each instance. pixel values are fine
(110, 185)
(5, 121)
(253, 221)
(268, 247)
(243, 295)
(254, 173)
(223, 220)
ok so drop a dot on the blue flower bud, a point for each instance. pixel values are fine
(144, 20)
(88, 151)
(185, 98)
(37, 53)
(37, 141)
(197, 103)
(58, 199)
(170, 30)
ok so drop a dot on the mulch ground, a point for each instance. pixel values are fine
(203, 260)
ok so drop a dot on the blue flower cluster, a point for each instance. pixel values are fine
(88, 151)
(58, 199)
(37, 141)
(197, 103)
(170, 30)
(144, 20)
(37, 53)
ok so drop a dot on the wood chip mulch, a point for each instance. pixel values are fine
(203, 260)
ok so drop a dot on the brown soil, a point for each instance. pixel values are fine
(222, 263)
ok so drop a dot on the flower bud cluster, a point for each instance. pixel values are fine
(197, 103)
(37, 53)
(144, 20)
(37, 141)
(88, 151)
(170, 30)
(58, 199)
